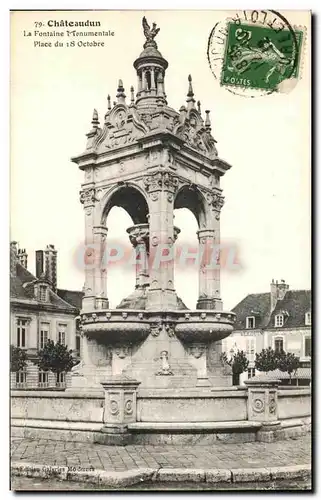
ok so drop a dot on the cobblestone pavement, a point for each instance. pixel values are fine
(116, 458)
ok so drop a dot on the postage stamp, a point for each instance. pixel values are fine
(255, 53)
(260, 57)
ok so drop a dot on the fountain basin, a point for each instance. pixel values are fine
(116, 325)
(204, 326)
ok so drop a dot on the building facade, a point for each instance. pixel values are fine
(38, 312)
(280, 319)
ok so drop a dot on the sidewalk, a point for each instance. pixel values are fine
(91, 462)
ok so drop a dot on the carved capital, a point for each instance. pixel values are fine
(161, 181)
(139, 234)
(87, 196)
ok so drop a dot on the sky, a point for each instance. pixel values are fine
(266, 140)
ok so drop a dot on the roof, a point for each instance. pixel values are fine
(255, 304)
(278, 374)
(19, 290)
(295, 304)
(73, 297)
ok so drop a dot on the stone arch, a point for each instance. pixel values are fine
(129, 197)
(191, 198)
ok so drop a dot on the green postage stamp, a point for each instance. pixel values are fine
(259, 56)
(255, 53)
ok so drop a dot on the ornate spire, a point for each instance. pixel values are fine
(95, 121)
(190, 94)
(108, 102)
(132, 96)
(199, 106)
(120, 92)
(207, 120)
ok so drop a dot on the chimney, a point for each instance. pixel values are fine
(23, 257)
(51, 266)
(39, 263)
(278, 291)
(13, 258)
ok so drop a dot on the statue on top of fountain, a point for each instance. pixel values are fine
(149, 33)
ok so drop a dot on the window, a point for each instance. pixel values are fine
(62, 334)
(279, 320)
(251, 372)
(61, 380)
(78, 345)
(43, 293)
(21, 332)
(250, 349)
(250, 322)
(21, 379)
(43, 379)
(44, 335)
(307, 346)
(278, 345)
(308, 318)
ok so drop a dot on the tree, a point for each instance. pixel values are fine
(266, 360)
(288, 362)
(18, 359)
(55, 357)
(238, 362)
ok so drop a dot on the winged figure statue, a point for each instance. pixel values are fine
(148, 32)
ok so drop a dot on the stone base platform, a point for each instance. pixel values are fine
(153, 433)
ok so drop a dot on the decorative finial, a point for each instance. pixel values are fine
(95, 121)
(149, 33)
(120, 92)
(190, 94)
(199, 106)
(207, 120)
(132, 97)
(108, 102)
(182, 111)
(114, 103)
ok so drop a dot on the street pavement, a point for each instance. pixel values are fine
(83, 456)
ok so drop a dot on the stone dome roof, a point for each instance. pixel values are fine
(151, 51)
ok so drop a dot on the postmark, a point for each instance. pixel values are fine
(255, 53)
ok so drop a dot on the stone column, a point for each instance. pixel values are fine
(120, 409)
(152, 79)
(161, 187)
(87, 198)
(100, 234)
(209, 241)
(262, 405)
(139, 237)
(207, 268)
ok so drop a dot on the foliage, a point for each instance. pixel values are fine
(238, 362)
(18, 359)
(266, 360)
(55, 357)
(288, 362)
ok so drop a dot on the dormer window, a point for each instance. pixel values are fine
(43, 293)
(308, 318)
(279, 320)
(250, 322)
